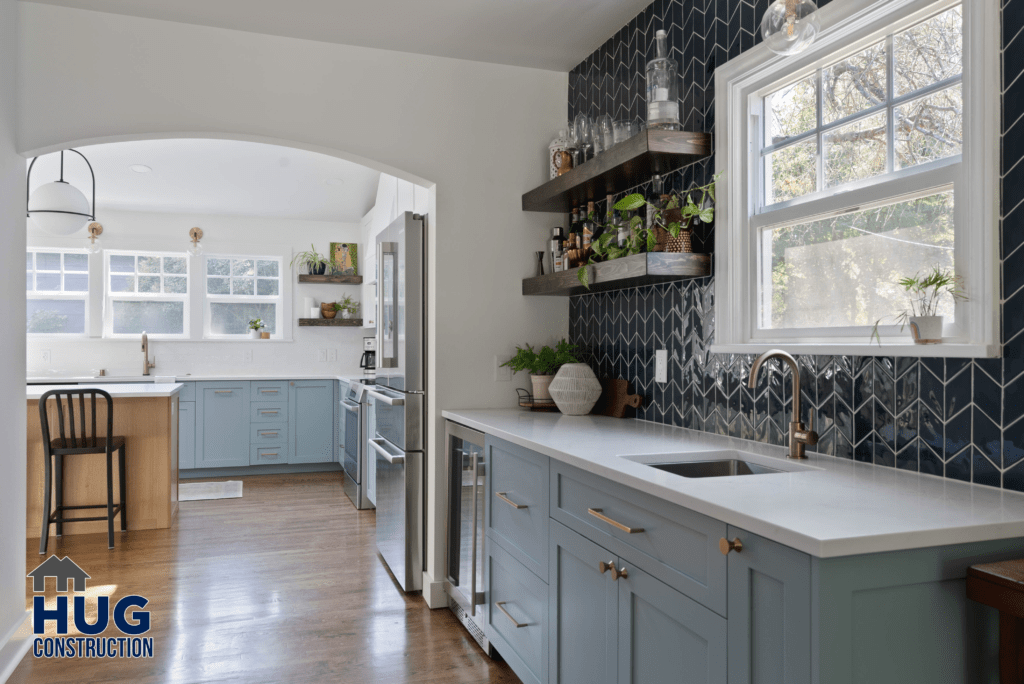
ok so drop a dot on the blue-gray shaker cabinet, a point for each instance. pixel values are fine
(583, 611)
(311, 421)
(222, 424)
(517, 503)
(186, 435)
(769, 612)
(516, 614)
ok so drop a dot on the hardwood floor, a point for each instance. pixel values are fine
(282, 585)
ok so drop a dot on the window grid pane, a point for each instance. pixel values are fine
(147, 274)
(57, 272)
(239, 289)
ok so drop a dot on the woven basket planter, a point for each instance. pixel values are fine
(575, 389)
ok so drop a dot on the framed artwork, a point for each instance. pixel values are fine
(345, 258)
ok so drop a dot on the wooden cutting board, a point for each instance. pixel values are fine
(615, 398)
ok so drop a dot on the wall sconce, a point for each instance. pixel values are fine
(95, 230)
(195, 248)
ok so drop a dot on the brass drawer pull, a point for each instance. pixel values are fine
(266, 412)
(271, 454)
(597, 513)
(268, 434)
(263, 391)
(513, 504)
(725, 546)
(501, 607)
(223, 391)
(610, 565)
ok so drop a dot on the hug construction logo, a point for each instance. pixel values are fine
(131, 623)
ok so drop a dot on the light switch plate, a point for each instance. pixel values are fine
(661, 365)
(44, 355)
(321, 355)
(501, 374)
(247, 356)
(332, 356)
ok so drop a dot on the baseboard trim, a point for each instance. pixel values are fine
(265, 469)
(15, 645)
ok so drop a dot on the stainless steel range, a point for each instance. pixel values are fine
(354, 408)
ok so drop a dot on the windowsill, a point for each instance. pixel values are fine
(950, 349)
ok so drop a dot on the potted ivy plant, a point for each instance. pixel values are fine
(255, 326)
(924, 294)
(313, 261)
(348, 307)
(542, 365)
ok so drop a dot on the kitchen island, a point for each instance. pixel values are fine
(146, 415)
(602, 568)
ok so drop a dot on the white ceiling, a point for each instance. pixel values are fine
(230, 177)
(546, 34)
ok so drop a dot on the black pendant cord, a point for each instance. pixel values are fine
(28, 187)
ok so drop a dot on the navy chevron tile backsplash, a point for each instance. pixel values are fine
(958, 418)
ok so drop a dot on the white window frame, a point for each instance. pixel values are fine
(848, 27)
(283, 322)
(60, 294)
(109, 297)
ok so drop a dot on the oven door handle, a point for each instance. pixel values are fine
(390, 401)
(389, 457)
(353, 408)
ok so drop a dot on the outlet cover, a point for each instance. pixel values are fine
(321, 355)
(501, 374)
(332, 356)
(44, 355)
(247, 356)
(661, 365)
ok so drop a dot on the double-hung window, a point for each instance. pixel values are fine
(240, 289)
(146, 292)
(57, 286)
(869, 158)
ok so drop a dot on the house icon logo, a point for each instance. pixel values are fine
(62, 570)
(89, 640)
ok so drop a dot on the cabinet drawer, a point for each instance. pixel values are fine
(517, 503)
(517, 615)
(261, 455)
(268, 434)
(269, 411)
(269, 390)
(188, 392)
(676, 545)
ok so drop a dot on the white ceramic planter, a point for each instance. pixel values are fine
(575, 389)
(926, 329)
(540, 387)
(254, 334)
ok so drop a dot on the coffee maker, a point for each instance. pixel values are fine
(368, 362)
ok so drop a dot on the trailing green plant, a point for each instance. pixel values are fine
(545, 362)
(924, 294)
(644, 238)
(347, 303)
(312, 260)
(255, 324)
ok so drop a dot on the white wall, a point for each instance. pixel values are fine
(475, 134)
(12, 350)
(224, 235)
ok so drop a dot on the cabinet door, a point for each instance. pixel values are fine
(665, 637)
(583, 610)
(311, 421)
(222, 424)
(769, 612)
(186, 435)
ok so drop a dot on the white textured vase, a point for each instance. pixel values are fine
(575, 389)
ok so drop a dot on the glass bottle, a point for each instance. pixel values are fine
(662, 88)
(555, 246)
(589, 228)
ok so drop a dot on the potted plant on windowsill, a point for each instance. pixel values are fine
(925, 293)
(255, 328)
(542, 365)
(314, 262)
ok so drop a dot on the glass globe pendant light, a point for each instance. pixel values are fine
(790, 26)
(60, 208)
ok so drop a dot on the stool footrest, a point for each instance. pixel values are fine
(55, 517)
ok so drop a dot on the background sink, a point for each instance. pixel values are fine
(722, 468)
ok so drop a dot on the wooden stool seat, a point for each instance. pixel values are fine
(78, 436)
(1001, 586)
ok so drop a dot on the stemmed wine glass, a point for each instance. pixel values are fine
(582, 133)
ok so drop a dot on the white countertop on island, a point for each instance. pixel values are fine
(116, 391)
(833, 507)
(116, 379)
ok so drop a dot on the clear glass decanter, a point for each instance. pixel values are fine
(662, 88)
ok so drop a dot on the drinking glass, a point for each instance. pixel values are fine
(620, 131)
(605, 131)
(582, 131)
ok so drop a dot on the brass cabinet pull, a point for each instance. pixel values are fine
(223, 391)
(597, 513)
(271, 454)
(623, 573)
(501, 607)
(605, 567)
(268, 434)
(266, 412)
(513, 504)
(264, 391)
(725, 546)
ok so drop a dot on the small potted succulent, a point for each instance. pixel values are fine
(255, 328)
(313, 261)
(925, 293)
(542, 365)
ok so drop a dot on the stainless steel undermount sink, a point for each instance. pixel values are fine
(723, 468)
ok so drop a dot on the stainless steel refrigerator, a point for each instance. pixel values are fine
(400, 399)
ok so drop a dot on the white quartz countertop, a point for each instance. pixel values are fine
(115, 379)
(150, 390)
(829, 507)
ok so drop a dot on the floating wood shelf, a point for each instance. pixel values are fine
(330, 322)
(631, 271)
(337, 279)
(624, 166)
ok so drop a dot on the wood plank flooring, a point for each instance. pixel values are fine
(282, 585)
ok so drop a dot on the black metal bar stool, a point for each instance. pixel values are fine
(72, 443)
